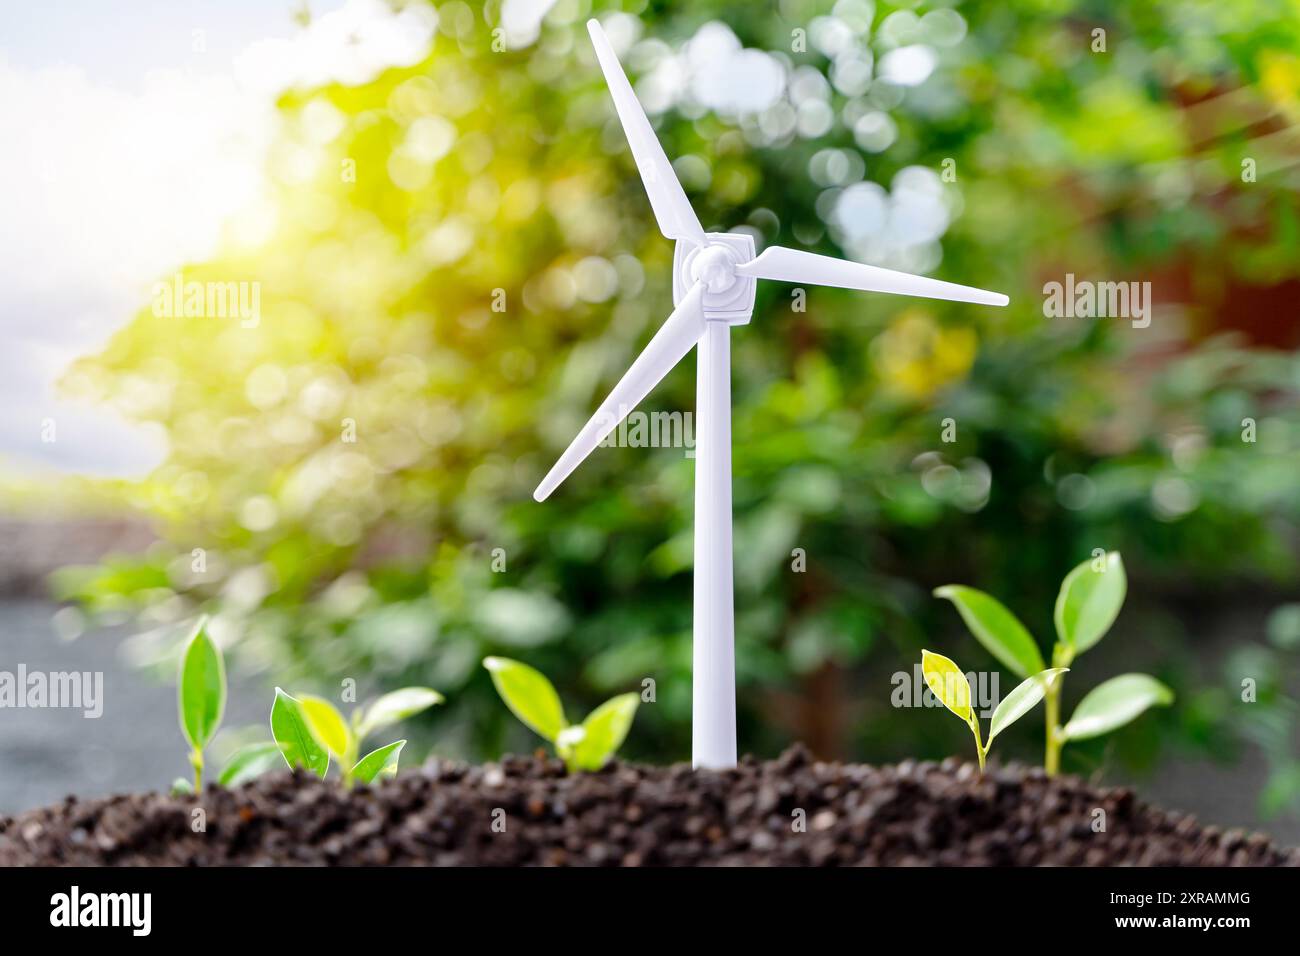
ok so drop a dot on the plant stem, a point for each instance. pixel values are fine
(979, 744)
(1052, 707)
(196, 760)
(1061, 657)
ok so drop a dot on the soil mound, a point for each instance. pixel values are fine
(529, 811)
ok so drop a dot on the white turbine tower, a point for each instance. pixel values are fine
(713, 289)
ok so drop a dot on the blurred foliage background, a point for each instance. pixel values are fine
(991, 144)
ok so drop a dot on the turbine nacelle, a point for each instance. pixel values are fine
(728, 295)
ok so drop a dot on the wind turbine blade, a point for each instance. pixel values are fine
(791, 265)
(670, 344)
(673, 212)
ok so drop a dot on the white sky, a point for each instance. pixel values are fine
(131, 131)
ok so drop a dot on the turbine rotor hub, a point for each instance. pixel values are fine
(728, 296)
(715, 266)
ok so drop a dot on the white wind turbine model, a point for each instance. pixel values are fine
(713, 289)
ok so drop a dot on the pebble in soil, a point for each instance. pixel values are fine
(790, 811)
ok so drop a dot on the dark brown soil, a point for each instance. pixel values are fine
(529, 811)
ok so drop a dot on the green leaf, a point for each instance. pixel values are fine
(378, 763)
(529, 695)
(948, 683)
(327, 724)
(996, 628)
(397, 706)
(1114, 703)
(293, 736)
(201, 688)
(182, 787)
(1089, 602)
(1021, 700)
(249, 762)
(605, 729)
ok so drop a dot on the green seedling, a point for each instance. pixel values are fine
(1089, 601)
(201, 698)
(201, 693)
(306, 730)
(532, 698)
(309, 730)
(949, 683)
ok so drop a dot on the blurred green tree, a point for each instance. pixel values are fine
(461, 261)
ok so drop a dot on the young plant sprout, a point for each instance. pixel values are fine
(1088, 603)
(532, 698)
(309, 730)
(201, 698)
(201, 693)
(947, 681)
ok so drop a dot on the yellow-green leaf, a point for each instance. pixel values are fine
(201, 688)
(605, 729)
(946, 680)
(378, 763)
(1112, 704)
(397, 706)
(529, 695)
(996, 628)
(293, 736)
(1021, 700)
(327, 724)
(1089, 602)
